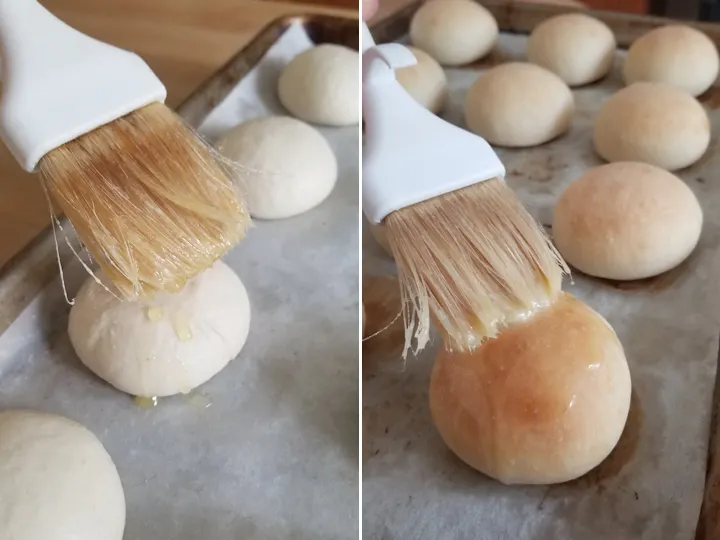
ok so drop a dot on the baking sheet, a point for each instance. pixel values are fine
(268, 449)
(651, 487)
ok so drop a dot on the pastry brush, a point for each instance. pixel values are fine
(467, 251)
(146, 196)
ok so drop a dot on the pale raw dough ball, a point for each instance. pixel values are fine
(167, 345)
(285, 166)
(322, 85)
(577, 48)
(544, 402)
(677, 55)
(519, 105)
(425, 81)
(453, 32)
(627, 221)
(653, 123)
(56, 481)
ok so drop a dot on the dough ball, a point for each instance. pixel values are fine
(425, 81)
(577, 48)
(286, 166)
(519, 105)
(167, 345)
(56, 481)
(322, 85)
(652, 123)
(677, 55)
(626, 220)
(453, 32)
(544, 402)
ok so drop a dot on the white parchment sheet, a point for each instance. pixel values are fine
(651, 487)
(268, 448)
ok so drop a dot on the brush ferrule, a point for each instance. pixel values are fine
(411, 155)
(59, 84)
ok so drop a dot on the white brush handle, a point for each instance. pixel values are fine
(411, 155)
(59, 84)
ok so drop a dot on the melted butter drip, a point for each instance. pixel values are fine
(199, 400)
(522, 316)
(154, 314)
(181, 325)
(478, 336)
(146, 402)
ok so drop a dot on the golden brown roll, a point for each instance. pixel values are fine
(653, 123)
(544, 402)
(627, 220)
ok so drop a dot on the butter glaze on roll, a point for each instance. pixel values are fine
(544, 402)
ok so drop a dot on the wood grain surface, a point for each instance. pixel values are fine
(184, 41)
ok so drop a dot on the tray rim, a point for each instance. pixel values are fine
(516, 16)
(275, 27)
(32, 268)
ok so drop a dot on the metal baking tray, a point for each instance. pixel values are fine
(515, 16)
(414, 487)
(269, 447)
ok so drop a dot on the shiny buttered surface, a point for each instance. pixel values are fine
(544, 402)
(165, 346)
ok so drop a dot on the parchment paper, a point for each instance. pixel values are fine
(267, 449)
(651, 487)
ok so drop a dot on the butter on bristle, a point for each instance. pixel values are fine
(477, 338)
(181, 325)
(154, 314)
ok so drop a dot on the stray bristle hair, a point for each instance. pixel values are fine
(473, 259)
(148, 200)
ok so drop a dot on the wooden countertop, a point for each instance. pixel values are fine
(184, 41)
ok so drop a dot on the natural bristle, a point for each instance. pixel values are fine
(148, 200)
(475, 260)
